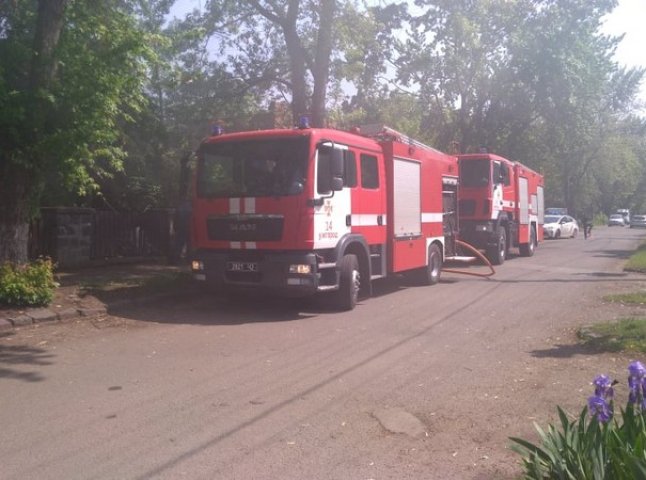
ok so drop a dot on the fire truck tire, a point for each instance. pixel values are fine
(528, 249)
(349, 283)
(431, 274)
(497, 254)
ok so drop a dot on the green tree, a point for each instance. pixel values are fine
(283, 48)
(70, 72)
(531, 80)
(189, 87)
(579, 96)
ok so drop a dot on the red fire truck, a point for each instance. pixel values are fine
(304, 211)
(501, 205)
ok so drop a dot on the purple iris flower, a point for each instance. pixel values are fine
(636, 385)
(599, 408)
(637, 370)
(603, 386)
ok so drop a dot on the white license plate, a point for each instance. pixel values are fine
(242, 266)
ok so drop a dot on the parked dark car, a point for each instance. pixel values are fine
(638, 221)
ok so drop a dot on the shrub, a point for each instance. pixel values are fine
(27, 285)
(598, 445)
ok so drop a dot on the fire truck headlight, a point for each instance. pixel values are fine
(197, 265)
(483, 228)
(301, 268)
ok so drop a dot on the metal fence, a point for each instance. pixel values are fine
(74, 236)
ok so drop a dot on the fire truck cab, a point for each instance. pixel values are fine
(305, 211)
(501, 205)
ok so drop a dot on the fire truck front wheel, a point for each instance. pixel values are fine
(498, 252)
(349, 283)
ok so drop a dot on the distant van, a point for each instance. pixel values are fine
(624, 212)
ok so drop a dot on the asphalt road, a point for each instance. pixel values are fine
(417, 382)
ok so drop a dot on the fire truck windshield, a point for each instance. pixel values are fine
(474, 173)
(252, 168)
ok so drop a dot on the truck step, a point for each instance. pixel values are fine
(327, 288)
(323, 266)
(459, 258)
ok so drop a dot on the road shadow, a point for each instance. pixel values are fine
(565, 351)
(12, 356)
(593, 277)
(621, 254)
(199, 306)
(126, 273)
(195, 308)
(606, 274)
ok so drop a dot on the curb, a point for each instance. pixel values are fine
(37, 316)
(45, 315)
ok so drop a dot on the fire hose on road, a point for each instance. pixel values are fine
(477, 254)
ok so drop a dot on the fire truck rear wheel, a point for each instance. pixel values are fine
(349, 283)
(527, 249)
(498, 253)
(433, 270)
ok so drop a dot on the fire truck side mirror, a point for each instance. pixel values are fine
(504, 174)
(337, 163)
(337, 168)
(331, 178)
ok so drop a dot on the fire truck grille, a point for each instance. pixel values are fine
(245, 228)
(245, 277)
(467, 207)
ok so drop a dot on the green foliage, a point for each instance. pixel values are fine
(576, 451)
(589, 448)
(27, 285)
(633, 298)
(600, 219)
(533, 81)
(624, 334)
(637, 261)
(64, 135)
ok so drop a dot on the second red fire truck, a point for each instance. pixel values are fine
(501, 205)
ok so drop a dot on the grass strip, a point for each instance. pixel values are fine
(625, 334)
(637, 261)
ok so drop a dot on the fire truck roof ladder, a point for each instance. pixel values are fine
(382, 132)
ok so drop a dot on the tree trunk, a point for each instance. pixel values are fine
(297, 61)
(20, 169)
(14, 213)
(321, 68)
(48, 31)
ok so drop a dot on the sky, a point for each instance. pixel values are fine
(628, 18)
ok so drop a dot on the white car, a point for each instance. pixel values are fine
(557, 226)
(616, 219)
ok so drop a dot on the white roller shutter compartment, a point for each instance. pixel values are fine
(407, 204)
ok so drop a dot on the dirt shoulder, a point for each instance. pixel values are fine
(92, 291)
